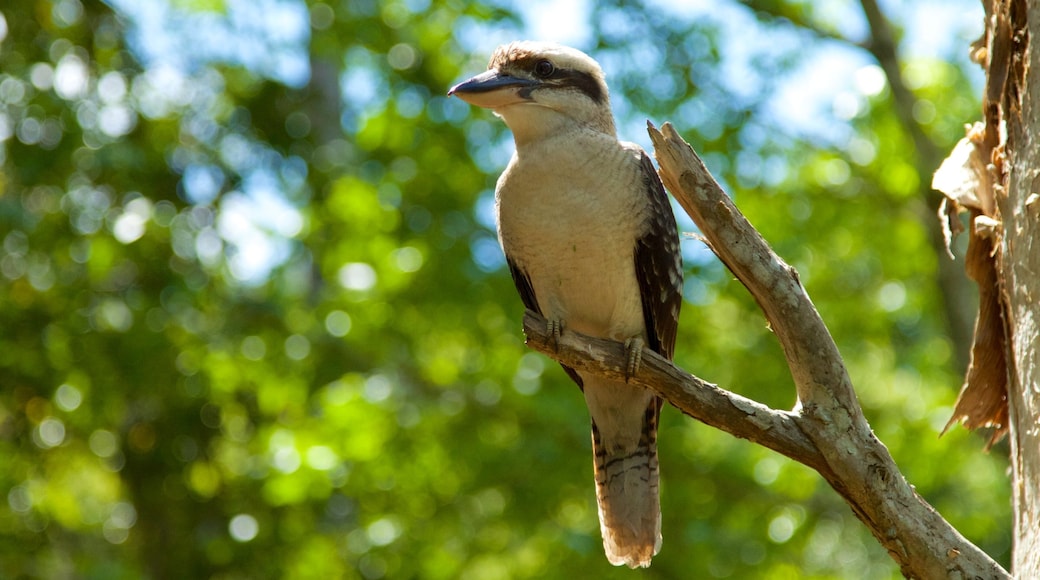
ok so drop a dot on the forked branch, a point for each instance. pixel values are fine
(827, 431)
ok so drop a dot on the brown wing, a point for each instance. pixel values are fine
(659, 266)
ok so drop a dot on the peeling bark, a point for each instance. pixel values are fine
(1018, 267)
(966, 179)
(1005, 200)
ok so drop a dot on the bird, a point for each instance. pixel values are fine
(590, 240)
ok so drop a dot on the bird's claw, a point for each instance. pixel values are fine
(554, 328)
(634, 348)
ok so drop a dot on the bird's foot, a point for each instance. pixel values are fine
(634, 348)
(554, 327)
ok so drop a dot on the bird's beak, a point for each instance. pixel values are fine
(493, 89)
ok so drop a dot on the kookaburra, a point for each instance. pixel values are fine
(592, 245)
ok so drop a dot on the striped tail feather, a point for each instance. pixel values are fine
(626, 470)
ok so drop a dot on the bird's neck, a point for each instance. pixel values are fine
(532, 124)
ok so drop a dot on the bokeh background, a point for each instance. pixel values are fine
(254, 321)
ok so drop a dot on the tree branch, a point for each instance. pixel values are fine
(864, 473)
(958, 301)
(821, 380)
(701, 400)
(828, 431)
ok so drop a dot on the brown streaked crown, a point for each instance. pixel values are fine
(572, 69)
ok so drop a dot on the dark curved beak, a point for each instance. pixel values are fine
(493, 89)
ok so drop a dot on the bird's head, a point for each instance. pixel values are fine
(539, 88)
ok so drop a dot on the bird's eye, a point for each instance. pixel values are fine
(544, 69)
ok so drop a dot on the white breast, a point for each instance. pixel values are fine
(569, 214)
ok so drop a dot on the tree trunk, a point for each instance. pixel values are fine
(995, 173)
(1018, 206)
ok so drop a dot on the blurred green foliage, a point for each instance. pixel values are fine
(357, 402)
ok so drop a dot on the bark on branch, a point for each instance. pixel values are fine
(730, 412)
(827, 431)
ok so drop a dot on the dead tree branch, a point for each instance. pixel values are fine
(730, 412)
(827, 431)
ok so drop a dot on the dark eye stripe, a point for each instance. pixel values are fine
(581, 81)
(564, 77)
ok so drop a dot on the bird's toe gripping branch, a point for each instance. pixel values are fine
(554, 328)
(634, 348)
